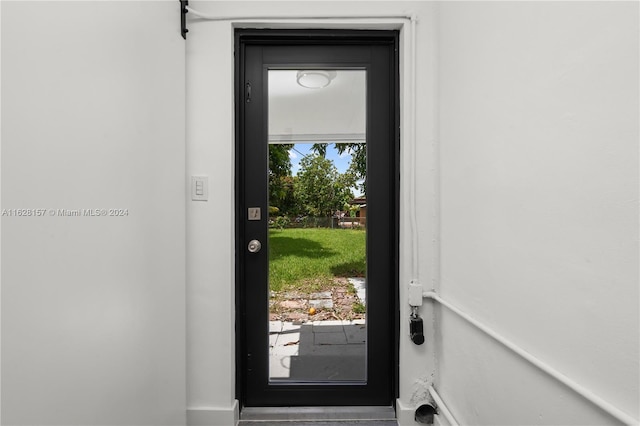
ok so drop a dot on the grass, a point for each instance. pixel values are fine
(308, 259)
(359, 308)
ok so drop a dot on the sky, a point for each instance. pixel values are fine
(302, 149)
(340, 161)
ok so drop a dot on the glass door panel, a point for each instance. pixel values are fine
(317, 225)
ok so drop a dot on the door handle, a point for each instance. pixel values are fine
(254, 246)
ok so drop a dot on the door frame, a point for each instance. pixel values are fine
(297, 36)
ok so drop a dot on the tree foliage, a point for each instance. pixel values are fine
(320, 189)
(279, 171)
(358, 165)
(288, 203)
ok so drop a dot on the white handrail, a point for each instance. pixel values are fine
(442, 408)
(579, 389)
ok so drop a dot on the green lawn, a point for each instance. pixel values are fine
(308, 259)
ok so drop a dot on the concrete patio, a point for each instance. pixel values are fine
(318, 350)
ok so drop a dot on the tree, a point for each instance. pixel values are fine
(319, 188)
(288, 203)
(358, 165)
(279, 171)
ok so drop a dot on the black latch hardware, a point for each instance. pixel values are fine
(248, 98)
(416, 331)
(183, 18)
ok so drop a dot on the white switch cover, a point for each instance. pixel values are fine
(200, 188)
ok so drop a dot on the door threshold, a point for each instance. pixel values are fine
(339, 413)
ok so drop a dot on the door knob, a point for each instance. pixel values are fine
(254, 246)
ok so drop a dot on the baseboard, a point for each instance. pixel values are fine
(213, 416)
(405, 414)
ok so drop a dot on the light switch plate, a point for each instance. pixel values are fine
(200, 188)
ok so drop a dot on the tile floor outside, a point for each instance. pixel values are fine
(329, 350)
(318, 350)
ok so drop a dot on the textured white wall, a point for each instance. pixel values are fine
(539, 160)
(93, 308)
(210, 227)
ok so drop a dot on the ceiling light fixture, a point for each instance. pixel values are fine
(315, 79)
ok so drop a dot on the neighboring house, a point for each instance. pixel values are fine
(362, 211)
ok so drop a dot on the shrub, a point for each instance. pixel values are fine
(279, 222)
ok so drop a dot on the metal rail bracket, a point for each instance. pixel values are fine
(183, 18)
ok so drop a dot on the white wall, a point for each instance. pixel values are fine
(93, 308)
(539, 171)
(210, 227)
